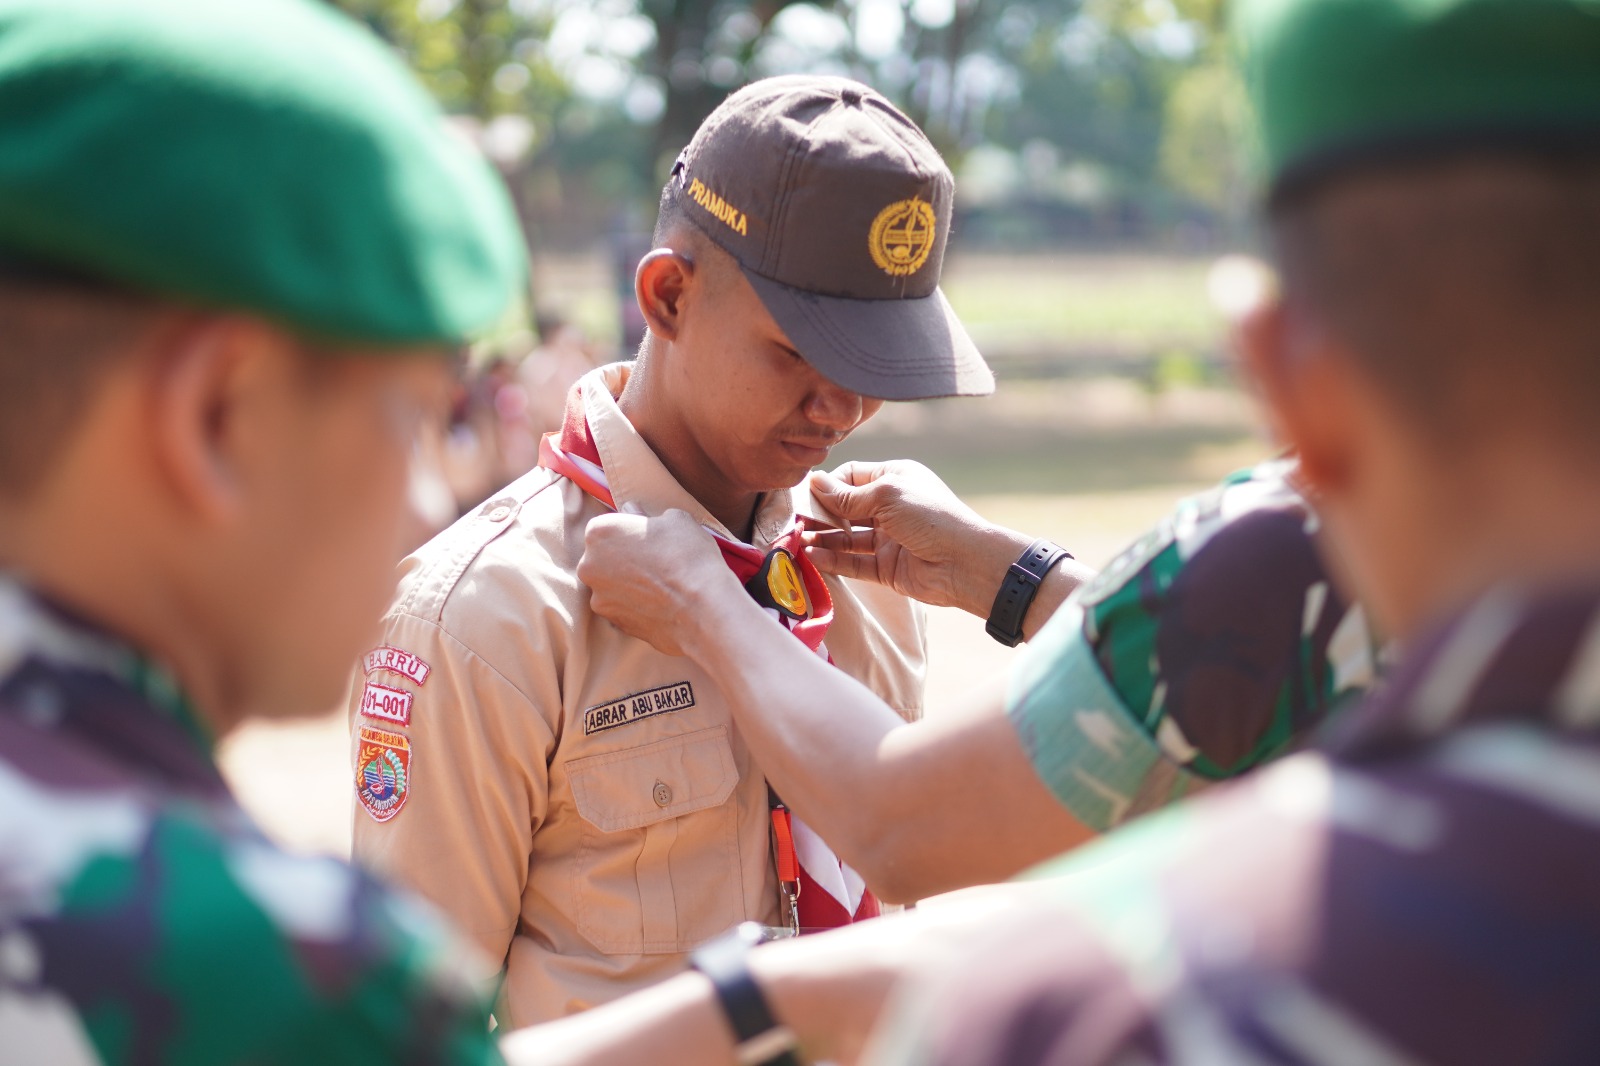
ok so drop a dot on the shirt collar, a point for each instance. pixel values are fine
(33, 628)
(639, 480)
(1515, 654)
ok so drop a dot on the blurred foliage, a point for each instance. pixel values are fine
(1090, 121)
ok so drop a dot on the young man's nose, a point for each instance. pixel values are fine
(834, 407)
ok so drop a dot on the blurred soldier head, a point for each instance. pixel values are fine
(237, 244)
(795, 282)
(1434, 351)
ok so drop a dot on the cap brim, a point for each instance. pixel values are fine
(889, 349)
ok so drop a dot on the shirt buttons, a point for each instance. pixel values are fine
(662, 794)
(499, 514)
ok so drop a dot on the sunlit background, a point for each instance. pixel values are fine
(1102, 173)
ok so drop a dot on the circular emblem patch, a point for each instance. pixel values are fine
(902, 237)
(383, 770)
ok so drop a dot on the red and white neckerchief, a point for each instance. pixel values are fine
(820, 891)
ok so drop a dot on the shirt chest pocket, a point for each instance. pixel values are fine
(659, 871)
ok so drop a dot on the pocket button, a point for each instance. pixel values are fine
(662, 794)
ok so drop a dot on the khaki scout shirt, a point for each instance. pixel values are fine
(578, 802)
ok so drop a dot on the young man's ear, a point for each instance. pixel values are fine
(659, 285)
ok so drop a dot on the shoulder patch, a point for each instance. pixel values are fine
(397, 661)
(390, 704)
(640, 705)
(383, 772)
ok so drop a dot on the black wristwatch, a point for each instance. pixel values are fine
(761, 1040)
(1017, 591)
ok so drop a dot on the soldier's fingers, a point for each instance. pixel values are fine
(856, 472)
(858, 504)
(856, 541)
(604, 526)
(677, 523)
(843, 564)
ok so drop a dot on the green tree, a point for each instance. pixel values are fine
(1125, 106)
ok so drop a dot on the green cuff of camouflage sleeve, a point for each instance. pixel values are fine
(1083, 741)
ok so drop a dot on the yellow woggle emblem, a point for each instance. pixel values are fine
(778, 585)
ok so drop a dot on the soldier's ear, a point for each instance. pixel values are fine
(207, 405)
(660, 284)
(1314, 398)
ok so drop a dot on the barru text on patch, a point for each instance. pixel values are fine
(638, 706)
(397, 661)
(390, 704)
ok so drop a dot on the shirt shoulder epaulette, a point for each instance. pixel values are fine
(432, 574)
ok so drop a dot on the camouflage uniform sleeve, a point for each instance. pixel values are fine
(1211, 645)
(189, 946)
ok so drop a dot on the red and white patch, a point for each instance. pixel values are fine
(390, 704)
(397, 661)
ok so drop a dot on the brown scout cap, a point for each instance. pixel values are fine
(837, 208)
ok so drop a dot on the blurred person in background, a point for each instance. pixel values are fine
(236, 249)
(549, 371)
(578, 801)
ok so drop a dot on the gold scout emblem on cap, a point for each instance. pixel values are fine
(902, 237)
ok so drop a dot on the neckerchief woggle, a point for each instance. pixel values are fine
(819, 890)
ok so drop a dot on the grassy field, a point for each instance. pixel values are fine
(1016, 306)
(1129, 305)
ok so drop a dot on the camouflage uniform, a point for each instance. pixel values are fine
(144, 919)
(1422, 889)
(1211, 645)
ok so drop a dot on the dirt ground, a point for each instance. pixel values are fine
(1091, 464)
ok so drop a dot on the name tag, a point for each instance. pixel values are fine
(638, 706)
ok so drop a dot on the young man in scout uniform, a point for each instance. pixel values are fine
(576, 800)
(237, 243)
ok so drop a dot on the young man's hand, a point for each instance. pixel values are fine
(919, 540)
(661, 579)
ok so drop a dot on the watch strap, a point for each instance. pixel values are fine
(761, 1040)
(1017, 591)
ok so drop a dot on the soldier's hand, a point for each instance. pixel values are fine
(918, 537)
(651, 577)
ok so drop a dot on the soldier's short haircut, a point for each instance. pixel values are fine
(1466, 284)
(56, 338)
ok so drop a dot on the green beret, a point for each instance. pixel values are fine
(263, 155)
(1337, 80)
